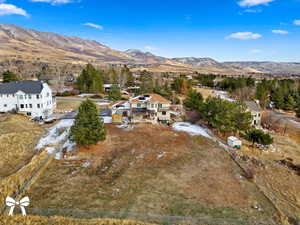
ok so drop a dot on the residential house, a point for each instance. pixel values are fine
(151, 108)
(33, 98)
(120, 111)
(256, 112)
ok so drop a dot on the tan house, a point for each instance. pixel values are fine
(151, 108)
(256, 112)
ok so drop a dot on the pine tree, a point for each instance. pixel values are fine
(90, 80)
(88, 128)
(290, 103)
(9, 76)
(114, 93)
(194, 100)
(298, 109)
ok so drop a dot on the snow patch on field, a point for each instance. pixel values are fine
(191, 129)
(83, 95)
(224, 95)
(56, 134)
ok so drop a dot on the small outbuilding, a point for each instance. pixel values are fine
(234, 142)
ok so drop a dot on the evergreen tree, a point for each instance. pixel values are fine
(259, 137)
(194, 100)
(88, 128)
(90, 80)
(114, 93)
(298, 108)
(9, 76)
(290, 103)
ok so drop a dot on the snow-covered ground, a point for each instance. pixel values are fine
(56, 134)
(102, 103)
(191, 129)
(224, 95)
(83, 95)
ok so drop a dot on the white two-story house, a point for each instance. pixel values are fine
(33, 98)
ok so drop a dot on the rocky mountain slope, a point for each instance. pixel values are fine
(269, 67)
(29, 51)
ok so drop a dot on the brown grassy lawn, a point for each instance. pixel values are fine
(151, 169)
(281, 183)
(18, 136)
(30, 220)
(67, 105)
(206, 92)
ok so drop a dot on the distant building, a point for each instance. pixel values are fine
(256, 111)
(33, 98)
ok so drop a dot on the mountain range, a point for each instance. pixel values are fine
(27, 46)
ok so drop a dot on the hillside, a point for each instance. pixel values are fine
(268, 67)
(28, 52)
(34, 50)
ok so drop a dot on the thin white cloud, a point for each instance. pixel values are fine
(53, 2)
(9, 9)
(93, 25)
(150, 48)
(244, 36)
(283, 32)
(297, 22)
(250, 3)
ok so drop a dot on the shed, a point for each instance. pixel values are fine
(234, 142)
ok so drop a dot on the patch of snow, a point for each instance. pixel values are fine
(161, 155)
(103, 103)
(295, 122)
(50, 150)
(83, 95)
(224, 95)
(58, 156)
(69, 145)
(54, 135)
(191, 129)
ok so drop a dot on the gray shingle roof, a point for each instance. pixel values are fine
(253, 106)
(27, 86)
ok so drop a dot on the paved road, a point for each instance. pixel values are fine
(285, 118)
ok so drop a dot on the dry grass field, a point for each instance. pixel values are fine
(280, 182)
(31, 220)
(206, 92)
(18, 136)
(152, 169)
(67, 105)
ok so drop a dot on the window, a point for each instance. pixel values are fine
(30, 106)
(26, 106)
(29, 96)
(139, 105)
(21, 97)
(5, 105)
(39, 106)
(48, 94)
(152, 105)
(164, 113)
(22, 106)
(159, 105)
(8, 96)
(37, 96)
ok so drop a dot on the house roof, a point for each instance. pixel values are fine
(253, 106)
(26, 86)
(152, 98)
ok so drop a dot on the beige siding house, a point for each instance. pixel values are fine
(151, 108)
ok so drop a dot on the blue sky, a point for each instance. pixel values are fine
(222, 29)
